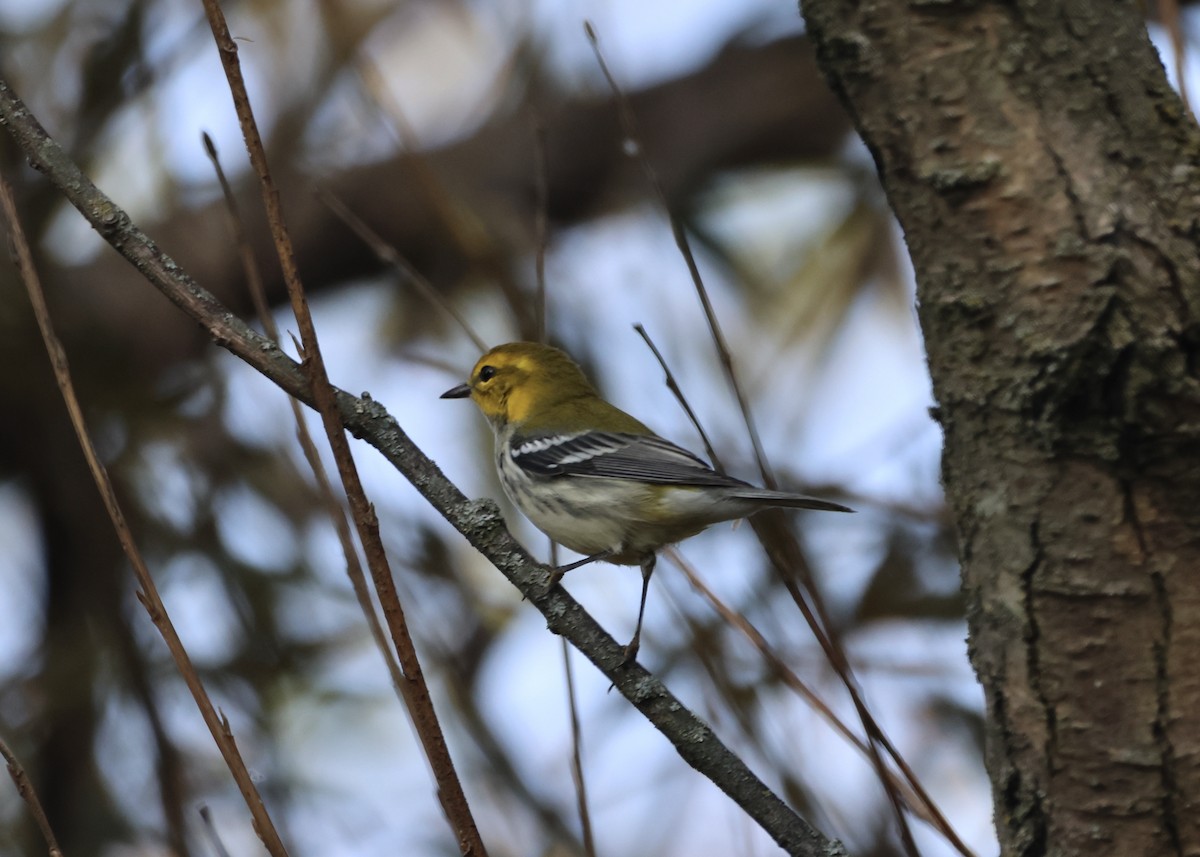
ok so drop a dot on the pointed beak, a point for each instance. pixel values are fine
(462, 391)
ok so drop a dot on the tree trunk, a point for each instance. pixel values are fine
(1048, 183)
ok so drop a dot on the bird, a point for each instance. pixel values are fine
(594, 478)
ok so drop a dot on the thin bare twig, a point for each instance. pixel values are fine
(541, 184)
(918, 799)
(148, 593)
(541, 205)
(171, 767)
(337, 515)
(462, 660)
(237, 227)
(633, 140)
(833, 652)
(467, 233)
(28, 794)
(389, 255)
(480, 522)
(823, 629)
(673, 386)
(415, 690)
(784, 553)
(581, 798)
(211, 829)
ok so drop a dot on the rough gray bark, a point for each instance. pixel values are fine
(1048, 182)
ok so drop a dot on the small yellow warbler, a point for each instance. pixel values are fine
(593, 478)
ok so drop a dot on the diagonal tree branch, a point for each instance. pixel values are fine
(479, 521)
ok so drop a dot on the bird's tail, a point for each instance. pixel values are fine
(790, 501)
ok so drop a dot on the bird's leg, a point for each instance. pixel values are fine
(557, 574)
(632, 649)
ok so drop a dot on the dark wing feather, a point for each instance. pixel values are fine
(617, 456)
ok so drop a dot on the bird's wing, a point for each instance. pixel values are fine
(612, 455)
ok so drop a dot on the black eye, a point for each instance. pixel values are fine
(487, 373)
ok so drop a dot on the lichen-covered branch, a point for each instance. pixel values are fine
(480, 522)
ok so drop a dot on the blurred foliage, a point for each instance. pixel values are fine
(420, 116)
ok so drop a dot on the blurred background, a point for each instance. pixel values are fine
(452, 128)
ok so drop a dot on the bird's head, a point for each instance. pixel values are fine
(515, 382)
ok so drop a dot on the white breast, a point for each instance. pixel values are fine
(588, 516)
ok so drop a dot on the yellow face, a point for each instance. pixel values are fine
(511, 380)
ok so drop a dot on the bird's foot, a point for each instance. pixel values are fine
(556, 574)
(631, 651)
(552, 580)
